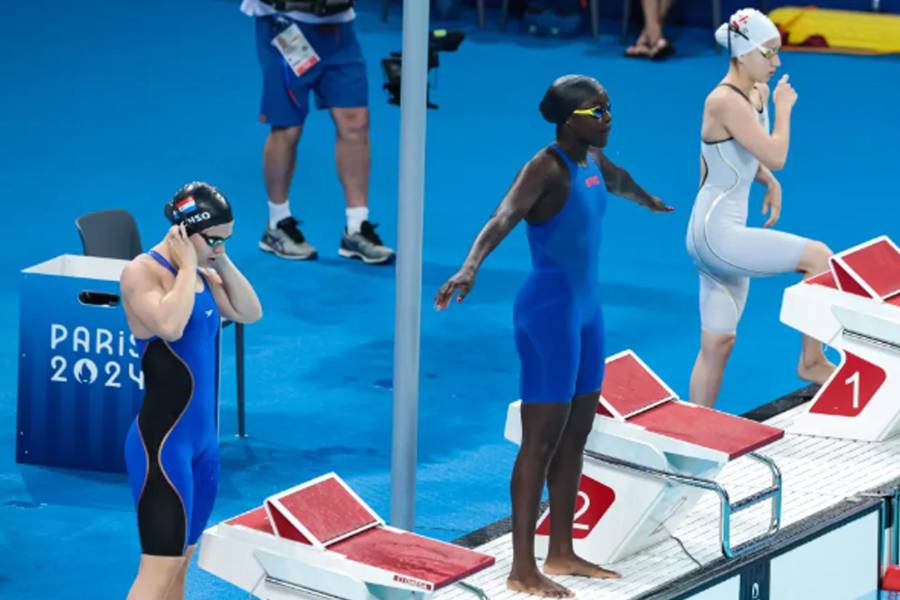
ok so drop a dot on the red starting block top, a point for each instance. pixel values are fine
(324, 508)
(630, 387)
(731, 435)
(827, 279)
(255, 519)
(413, 559)
(871, 269)
(414, 556)
(633, 390)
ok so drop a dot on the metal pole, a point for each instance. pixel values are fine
(413, 96)
(239, 359)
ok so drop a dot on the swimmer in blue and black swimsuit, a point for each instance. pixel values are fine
(561, 193)
(172, 448)
(174, 309)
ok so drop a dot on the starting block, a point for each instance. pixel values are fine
(320, 540)
(855, 308)
(648, 459)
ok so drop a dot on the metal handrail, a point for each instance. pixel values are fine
(728, 508)
(302, 590)
(871, 340)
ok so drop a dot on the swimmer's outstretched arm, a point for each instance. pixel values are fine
(621, 183)
(235, 297)
(535, 179)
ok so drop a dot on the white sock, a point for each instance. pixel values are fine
(355, 218)
(277, 212)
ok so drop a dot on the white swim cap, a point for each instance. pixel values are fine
(746, 30)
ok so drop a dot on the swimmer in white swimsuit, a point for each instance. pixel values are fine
(736, 150)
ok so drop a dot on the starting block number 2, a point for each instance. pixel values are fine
(849, 390)
(593, 501)
(585, 505)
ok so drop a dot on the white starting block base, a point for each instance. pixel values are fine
(675, 449)
(854, 307)
(818, 473)
(320, 540)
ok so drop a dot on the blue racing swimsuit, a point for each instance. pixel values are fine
(557, 316)
(171, 451)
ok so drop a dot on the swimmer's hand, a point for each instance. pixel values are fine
(657, 205)
(181, 250)
(772, 204)
(784, 95)
(462, 282)
(211, 275)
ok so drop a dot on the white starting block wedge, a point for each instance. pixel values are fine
(854, 307)
(648, 458)
(320, 540)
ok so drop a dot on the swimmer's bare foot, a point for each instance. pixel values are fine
(536, 584)
(573, 565)
(816, 372)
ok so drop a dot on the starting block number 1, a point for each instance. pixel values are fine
(854, 380)
(849, 390)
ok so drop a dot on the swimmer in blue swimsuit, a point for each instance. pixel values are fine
(174, 308)
(561, 193)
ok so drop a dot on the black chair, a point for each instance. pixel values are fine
(114, 234)
(109, 234)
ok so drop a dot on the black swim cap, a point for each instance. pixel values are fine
(200, 206)
(566, 94)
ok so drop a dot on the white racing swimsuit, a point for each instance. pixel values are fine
(726, 252)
